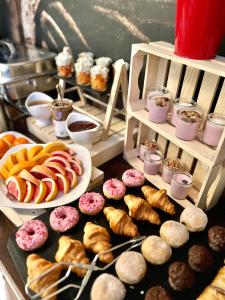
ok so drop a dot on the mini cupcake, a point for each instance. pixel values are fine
(216, 238)
(199, 258)
(181, 277)
(157, 293)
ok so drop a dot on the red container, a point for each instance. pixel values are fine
(200, 27)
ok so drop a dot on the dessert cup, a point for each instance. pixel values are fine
(64, 62)
(83, 73)
(180, 185)
(181, 103)
(152, 162)
(149, 147)
(157, 91)
(213, 129)
(99, 78)
(159, 107)
(170, 167)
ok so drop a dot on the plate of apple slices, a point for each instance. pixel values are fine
(44, 175)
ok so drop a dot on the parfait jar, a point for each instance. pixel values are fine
(147, 146)
(152, 163)
(159, 106)
(213, 129)
(83, 73)
(170, 167)
(157, 91)
(180, 185)
(64, 63)
(181, 103)
(99, 78)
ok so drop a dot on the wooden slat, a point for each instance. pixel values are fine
(189, 83)
(199, 170)
(220, 104)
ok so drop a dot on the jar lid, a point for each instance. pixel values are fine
(155, 156)
(185, 103)
(217, 118)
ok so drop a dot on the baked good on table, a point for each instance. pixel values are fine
(216, 290)
(174, 233)
(73, 251)
(194, 218)
(91, 203)
(131, 267)
(216, 238)
(133, 178)
(36, 265)
(157, 293)
(199, 258)
(107, 287)
(156, 250)
(120, 222)
(31, 235)
(114, 189)
(99, 78)
(63, 218)
(158, 199)
(141, 210)
(181, 277)
(97, 239)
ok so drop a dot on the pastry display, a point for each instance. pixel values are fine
(97, 239)
(216, 238)
(158, 199)
(107, 287)
(147, 147)
(141, 210)
(131, 267)
(199, 258)
(194, 218)
(120, 222)
(83, 69)
(155, 250)
(72, 251)
(31, 235)
(99, 78)
(9, 140)
(174, 233)
(181, 277)
(170, 167)
(133, 178)
(114, 189)
(36, 265)
(91, 203)
(103, 61)
(157, 293)
(63, 218)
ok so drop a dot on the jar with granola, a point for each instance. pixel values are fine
(99, 78)
(64, 64)
(170, 167)
(147, 146)
(83, 73)
(159, 107)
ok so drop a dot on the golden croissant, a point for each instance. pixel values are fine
(158, 199)
(71, 250)
(36, 265)
(120, 222)
(97, 239)
(141, 210)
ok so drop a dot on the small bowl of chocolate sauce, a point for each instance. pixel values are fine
(82, 129)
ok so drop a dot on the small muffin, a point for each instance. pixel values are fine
(174, 233)
(181, 277)
(157, 293)
(156, 250)
(199, 258)
(131, 267)
(107, 287)
(194, 218)
(216, 238)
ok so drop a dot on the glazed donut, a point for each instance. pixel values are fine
(63, 218)
(114, 189)
(31, 235)
(91, 203)
(133, 178)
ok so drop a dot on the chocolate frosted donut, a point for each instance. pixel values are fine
(157, 293)
(181, 277)
(199, 258)
(216, 238)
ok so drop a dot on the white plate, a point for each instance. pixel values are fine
(61, 199)
(16, 134)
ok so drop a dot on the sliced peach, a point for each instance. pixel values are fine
(4, 172)
(41, 171)
(41, 157)
(54, 146)
(21, 155)
(10, 161)
(33, 151)
(52, 189)
(20, 166)
(62, 183)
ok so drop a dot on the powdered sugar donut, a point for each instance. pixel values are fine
(133, 178)
(31, 235)
(63, 218)
(114, 189)
(91, 203)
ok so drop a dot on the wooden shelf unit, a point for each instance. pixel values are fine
(202, 81)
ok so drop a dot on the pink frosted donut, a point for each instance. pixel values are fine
(133, 178)
(63, 218)
(31, 235)
(114, 189)
(91, 203)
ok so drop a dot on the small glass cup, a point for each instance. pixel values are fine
(157, 91)
(83, 73)
(213, 129)
(180, 185)
(64, 64)
(170, 167)
(99, 78)
(147, 146)
(159, 107)
(152, 162)
(181, 103)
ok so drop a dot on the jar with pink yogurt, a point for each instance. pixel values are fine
(147, 146)
(213, 129)
(157, 91)
(181, 103)
(180, 185)
(170, 167)
(159, 106)
(152, 163)
(187, 124)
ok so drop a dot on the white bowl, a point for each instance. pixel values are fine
(41, 112)
(85, 137)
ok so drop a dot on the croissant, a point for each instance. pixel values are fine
(158, 199)
(141, 210)
(120, 222)
(97, 239)
(71, 250)
(36, 265)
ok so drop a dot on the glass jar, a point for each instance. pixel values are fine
(180, 185)
(170, 167)
(64, 64)
(159, 107)
(152, 162)
(148, 146)
(103, 61)
(86, 54)
(99, 78)
(213, 129)
(181, 103)
(157, 91)
(187, 124)
(83, 73)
